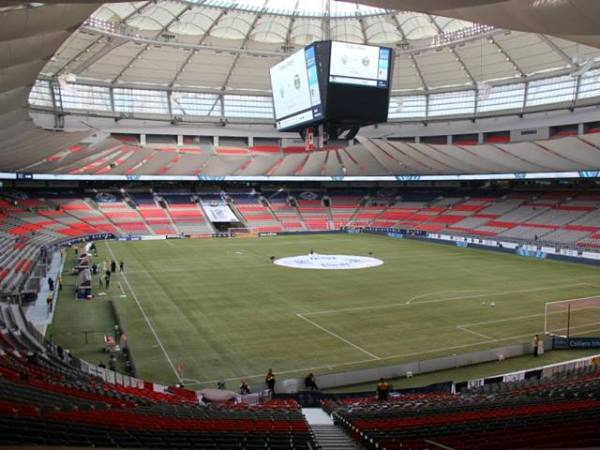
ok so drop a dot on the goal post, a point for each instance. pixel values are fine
(579, 317)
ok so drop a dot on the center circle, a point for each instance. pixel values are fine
(328, 262)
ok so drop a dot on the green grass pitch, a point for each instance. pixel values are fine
(227, 312)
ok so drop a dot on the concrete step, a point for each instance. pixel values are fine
(332, 437)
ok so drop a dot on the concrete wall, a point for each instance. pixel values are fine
(293, 385)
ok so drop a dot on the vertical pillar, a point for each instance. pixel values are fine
(321, 142)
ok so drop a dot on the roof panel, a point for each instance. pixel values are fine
(233, 26)
(279, 27)
(305, 31)
(348, 30)
(270, 30)
(381, 30)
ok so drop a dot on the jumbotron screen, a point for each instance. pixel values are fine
(332, 82)
(360, 65)
(296, 92)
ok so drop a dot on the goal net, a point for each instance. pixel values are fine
(578, 317)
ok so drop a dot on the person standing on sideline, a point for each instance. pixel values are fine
(49, 301)
(244, 388)
(310, 382)
(121, 266)
(113, 266)
(536, 345)
(383, 389)
(270, 381)
(50, 283)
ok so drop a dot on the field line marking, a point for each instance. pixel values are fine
(337, 336)
(455, 347)
(465, 297)
(401, 355)
(122, 290)
(529, 316)
(447, 291)
(350, 363)
(146, 318)
(466, 330)
(508, 319)
(191, 381)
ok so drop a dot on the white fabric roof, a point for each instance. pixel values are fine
(576, 20)
(29, 36)
(228, 45)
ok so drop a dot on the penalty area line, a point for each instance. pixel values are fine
(448, 291)
(507, 319)
(337, 336)
(466, 330)
(146, 318)
(439, 300)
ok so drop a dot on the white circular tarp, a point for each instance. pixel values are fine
(328, 262)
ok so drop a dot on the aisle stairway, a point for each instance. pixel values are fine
(331, 437)
(327, 435)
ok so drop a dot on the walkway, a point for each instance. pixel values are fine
(327, 435)
(37, 312)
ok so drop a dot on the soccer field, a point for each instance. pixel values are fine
(226, 311)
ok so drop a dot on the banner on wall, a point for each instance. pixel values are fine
(559, 342)
(522, 251)
(292, 178)
(220, 213)
(591, 255)
(569, 252)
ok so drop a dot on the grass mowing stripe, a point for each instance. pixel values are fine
(338, 337)
(152, 330)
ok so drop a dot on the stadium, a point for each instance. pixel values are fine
(300, 224)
